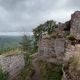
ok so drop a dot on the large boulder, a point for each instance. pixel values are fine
(75, 24)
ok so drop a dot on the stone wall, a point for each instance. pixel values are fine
(52, 49)
(75, 24)
(46, 45)
(59, 45)
(71, 66)
(51, 45)
(12, 63)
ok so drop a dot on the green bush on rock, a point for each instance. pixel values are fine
(71, 37)
(50, 71)
(3, 75)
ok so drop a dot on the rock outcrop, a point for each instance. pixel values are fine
(59, 50)
(71, 66)
(75, 24)
(12, 63)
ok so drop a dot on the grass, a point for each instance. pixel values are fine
(3, 75)
(28, 70)
(71, 37)
(26, 73)
(50, 71)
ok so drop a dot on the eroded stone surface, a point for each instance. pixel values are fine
(75, 24)
(57, 47)
(12, 64)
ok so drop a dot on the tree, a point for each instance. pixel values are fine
(25, 44)
(50, 25)
(38, 32)
(47, 27)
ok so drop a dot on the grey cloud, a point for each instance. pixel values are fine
(16, 15)
(73, 4)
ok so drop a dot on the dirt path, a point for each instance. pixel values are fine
(36, 75)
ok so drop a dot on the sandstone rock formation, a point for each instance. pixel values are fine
(75, 24)
(12, 63)
(62, 50)
(71, 67)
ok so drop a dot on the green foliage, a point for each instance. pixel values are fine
(71, 37)
(3, 75)
(8, 43)
(38, 32)
(54, 35)
(50, 71)
(47, 27)
(67, 26)
(28, 44)
(27, 72)
(25, 44)
(27, 59)
(33, 47)
(50, 26)
(73, 62)
(4, 51)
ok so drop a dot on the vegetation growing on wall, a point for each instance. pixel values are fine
(47, 27)
(28, 70)
(71, 37)
(27, 46)
(50, 71)
(3, 75)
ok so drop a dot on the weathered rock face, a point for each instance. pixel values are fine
(75, 24)
(12, 64)
(52, 49)
(46, 46)
(71, 68)
(59, 45)
(60, 29)
(63, 50)
(51, 45)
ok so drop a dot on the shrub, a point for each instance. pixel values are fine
(28, 70)
(50, 71)
(3, 75)
(71, 37)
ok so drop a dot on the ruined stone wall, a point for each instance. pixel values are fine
(75, 24)
(46, 46)
(62, 49)
(59, 45)
(12, 64)
(71, 66)
(52, 48)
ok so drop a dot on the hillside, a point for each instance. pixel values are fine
(9, 42)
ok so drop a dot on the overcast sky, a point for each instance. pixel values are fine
(24, 15)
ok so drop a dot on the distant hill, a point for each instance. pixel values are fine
(9, 42)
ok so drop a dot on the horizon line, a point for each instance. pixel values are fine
(15, 33)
